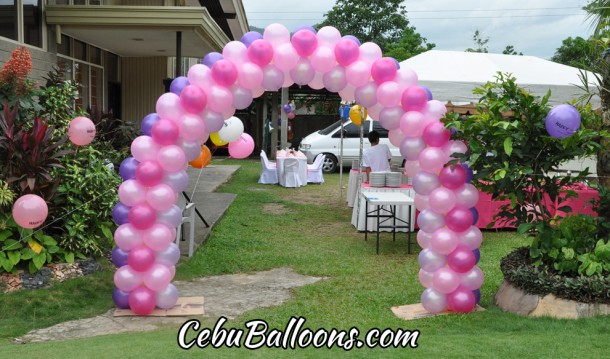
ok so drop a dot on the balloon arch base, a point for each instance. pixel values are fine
(417, 311)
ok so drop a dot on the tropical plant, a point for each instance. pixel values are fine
(15, 87)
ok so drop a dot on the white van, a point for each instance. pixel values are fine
(328, 142)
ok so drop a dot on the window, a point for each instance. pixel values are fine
(21, 20)
(8, 19)
(382, 131)
(353, 131)
(32, 22)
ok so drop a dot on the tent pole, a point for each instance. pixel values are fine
(341, 155)
(284, 127)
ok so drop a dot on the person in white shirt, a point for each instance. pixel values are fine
(377, 157)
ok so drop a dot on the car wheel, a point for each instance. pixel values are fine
(330, 164)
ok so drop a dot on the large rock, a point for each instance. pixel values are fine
(515, 300)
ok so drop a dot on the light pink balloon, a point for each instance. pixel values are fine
(348, 93)
(435, 109)
(335, 80)
(471, 237)
(445, 280)
(290, 115)
(425, 278)
(432, 159)
(370, 52)
(323, 59)
(273, 78)
(127, 279)
(250, 75)
(304, 42)
(158, 237)
(168, 106)
(388, 94)
(161, 197)
(131, 192)
(213, 121)
(302, 73)
(127, 237)
(421, 202)
(236, 52)
(285, 57)
(256, 92)
(467, 195)
(389, 117)
(328, 36)
(81, 131)
(242, 147)
(374, 111)
(157, 277)
(412, 124)
(276, 34)
(317, 83)
(242, 97)
(425, 182)
(220, 98)
(442, 200)
(411, 147)
(430, 221)
(167, 298)
(30, 211)
(346, 51)
(430, 261)
(411, 168)
(199, 75)
(171, 158)
(472, 279)
(192, 127)
(396, 137)
(444, 241)
(165, 132)
(452, 147)
(433, 301)
(260, 52)
(193, 99)
(358, 73)
(406, 77)
(423, 239)
(366, 95)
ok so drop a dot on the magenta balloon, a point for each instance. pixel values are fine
(220, 98)
(171, 158)
(383, 70)
(144, 148)
(141, 258)
(165, 132)
(411, 147)
(433, 301)
(158, 237)
(127, 237)
(168, 297)
(442, 200)
(444, 241)
(421, 202)
(193, 99)
(432, 159)
(358, 73)
(302, 73)
(285, 57)
(389, 117)
(242, 147)
(170, 255)
(461, 300)
(157, 277)
(213, 121)
(323, 59)
(304, 42)
(178, 181)
(461, 260)
(472, 279)
(424, 183)
(471, 238)
(459, 219)
(429, 221)
(366, 95)
(30, 211)
(452, 178)
(335, 80)
(467, 195)
(388, 94)
(170, 218)
(126, 278)
(423, 239)
(414, 98)
(346, 51)
(132, 193)
(161, 197)
(192, 127)
(168, 106)
(142, 301)
(81, 131)
(142, 216)
(224, 72)
(149, 173)
(445, 280)
(412, 124)
(425, 278)
(430, 261)
(260, 52)
(435, 134)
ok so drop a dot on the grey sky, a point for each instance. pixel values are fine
(533, 27)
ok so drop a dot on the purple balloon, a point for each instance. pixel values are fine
(178, 84)
(477, 255)
(287, 108)
(453, 130)
(477, 295)
(119, 257)
(304, 27)
(171, 217)
(211, 58)
(148, 122)
(353, 38)
(127, 170)
(250, 37)
(395, 62)
(120, 298)
(475, 215)
(428, 92)
(469, 173)
(562, 121)
(119, 213)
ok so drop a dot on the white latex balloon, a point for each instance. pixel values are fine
(231, 130)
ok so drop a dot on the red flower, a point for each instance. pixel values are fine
(16, 70)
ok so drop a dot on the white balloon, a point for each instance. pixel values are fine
(231, 130)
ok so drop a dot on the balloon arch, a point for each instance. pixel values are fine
(203, 103)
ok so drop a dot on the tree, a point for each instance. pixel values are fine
(576, 52)
(380, 21)
(480, 44)
(411, 43)
(510, 50)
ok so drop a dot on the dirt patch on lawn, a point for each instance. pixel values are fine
(275, 208)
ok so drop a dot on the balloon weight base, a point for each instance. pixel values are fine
(185, 306)
(417, 311)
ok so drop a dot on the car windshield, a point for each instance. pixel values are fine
(330, 128)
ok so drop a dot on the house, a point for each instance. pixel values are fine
(119, 51)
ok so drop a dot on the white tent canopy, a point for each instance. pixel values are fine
(452, 75)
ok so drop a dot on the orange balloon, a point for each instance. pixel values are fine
(204, 159)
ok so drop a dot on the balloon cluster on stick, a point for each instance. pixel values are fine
(289, 109)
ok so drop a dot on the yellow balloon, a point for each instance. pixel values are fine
(355, 115)
(216, 139)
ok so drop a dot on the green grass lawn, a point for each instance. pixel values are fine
(309, 230)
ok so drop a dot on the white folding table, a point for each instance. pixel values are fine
(388, 213)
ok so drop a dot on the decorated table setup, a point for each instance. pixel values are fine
(291, 168)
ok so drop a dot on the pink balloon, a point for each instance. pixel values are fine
(157, 277)
(346, 51)
(445, 280)
(256, 93)
(425, 278)
(317, 83)
(412, 124)
(431, 261)
(165, 132)
(421, 202)
(429, 221)
(461, 300)
(81, 131)
(127, 279)
(242, 97)
(193, 99)
(250, 75)
(388, 94)
(149, 173)
(435, 109)
(425, 182)
(168, 297)
(127, 237)
(304, 42)
(374, 111)
(414, 98)
(142, 301)
(411, 147)
(323, 59)
(144, 148)
(335, 80)
(260, 52)
(348, 93)
(471, 238)
(302, 73)
(472, 279)
(242, 147)
(396, 137)
(199, 75)
(170, 255)
(442, 200)
(285, 57)
(273, 78)
(171, 158)
(192, 127)
(168, 106)
(158, 237)
(287, 79)
(435, 134)
(161, 197)
(30, 211)
(452, 178)
(370, 52)
(132, 193)
(467, 195)
(412, 168)
(358, 73)
(423, 239)
(461, 260)
(366, 95)
(235, 52)
(276, 34)
(433, 301)
(142, 216)
(328, 36)
(140, 258)
(383, 70)
(224, 72)
(452, 147)
(444, 241)
(213, 121)
(432, 159)
(290, 115)
(459, 219)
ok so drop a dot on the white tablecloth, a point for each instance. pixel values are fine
(359, 212)
(352, 186)
(302, 168)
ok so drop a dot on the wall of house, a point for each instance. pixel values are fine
(142, 84)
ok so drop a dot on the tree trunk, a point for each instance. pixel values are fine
(603, 156)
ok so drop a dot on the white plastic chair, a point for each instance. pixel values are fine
(269, 171)
(188, 216)
(290, 177)
(314, 171)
